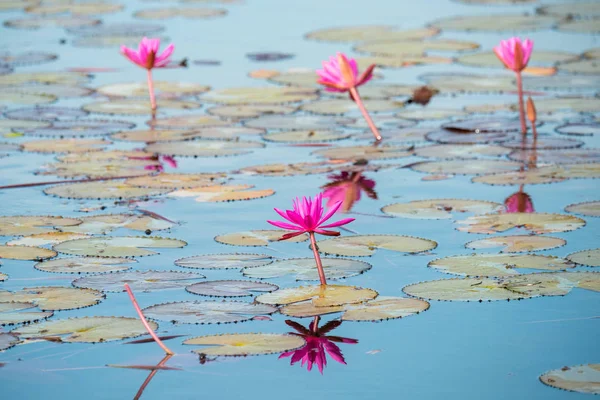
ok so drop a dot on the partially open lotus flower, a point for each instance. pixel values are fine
(347, 187)
(514, 54)
(340, 74)
(318, 346)
(147, 57)
(519, 202)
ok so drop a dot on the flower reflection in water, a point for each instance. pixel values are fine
(347, 187)
(519, 202)
(318, 345)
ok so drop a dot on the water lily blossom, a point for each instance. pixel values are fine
(515, 54)
(340, 74)
(147, 57)
(307, 217)
(518, 202)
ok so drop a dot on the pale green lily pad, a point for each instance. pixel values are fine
(12, 97)
(463, 151)
(87, 8)
(225, 261)
(8, 340)
(23, 225)
(460, 167)
(65, 145)
(96, 169)
(440, 208)
(54, 298)
(249, 110)
(192, 122)
(257, 238)
(589, 209)
(552, 283)
(535, 222)
(517, 243)
(245, 344)
(18, 313)
(363, 33)
(230, 288)
(586, 26)
(180, 12)
(143, 281)
(207, 312)
(137, 107)
(124, 246)
(44, 78)
(84, 265)
(259, 95)
(102, 224)
(204, 148)
(426, 114)
(162, 89)
(319, 295)
(25, 253)
(42, 239)
(298, 122)
(590, 258)
(305, 269)
(308, 136)
(591, 67)
(366, 245)
(489, 59)
(355, 153)
(397, 48)
(102, 190)
(177, 181)
(465, 289)
(470, 83)
(496, 23)
(341, 106)
(579, 378)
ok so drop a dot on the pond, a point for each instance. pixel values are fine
(468, 271)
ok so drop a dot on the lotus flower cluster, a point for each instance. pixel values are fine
(340, 74)
(147, 57)
(309, 216)
(515, 54)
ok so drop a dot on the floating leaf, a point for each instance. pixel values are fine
(579, 378)
(552, 283)
(256, 238)
(100, 169)
(579, 129)
(18, 313)
(380, 91)
(90, 8)
(162, 89)
(460, 167)
(245, 344)
(117, 29)
(591, 258)
(430, 113)
(230, 288)
(45, 113)
(308, 136)
(58, 90)
(136, 107)
(86, 329)
(496, 23)
(102, 224)
(483, 125)
(354, 153)
(79, 128)
(42, 239)
(319, 295)
(123, 246)
(542, 143)
(365, 245)
(18, 124)
(157, 135)
(398, 48)
(465, 289)
(589, 209)
(362, 33)
(113, 41)
(225, 261)
(400, 61)
(589, 26)
(489, 59)
(449, 151)
(569, 156)
(30, 225)
(8, 340)
(449, 137)
(535, 222)
(43, 78)
(294, 169)
(249, 110)
(259, 95)
(341, 106)
(84, 265)
(180, 12)
(517, 243)
(64, 21)
(65, 145)
(204, 148)
(145, 281)
(25, 253)
(176, 181)
(470, 83)
(10, 97)
(207, 312)
(298, 122)
(194, 122)
(219, 193)
(591, 67)
(54, 297)
(491, 265)
(440, 208)
(305, 269)
(102, 190)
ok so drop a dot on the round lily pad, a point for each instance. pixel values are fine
(95, 169)
(79, 128)
(395, 48)
(207, 312)
(305, 269)
(145, 281)
(362, 33)
(463, 289)
(102, 190)
(180, 12)
(11, 97)
(21, 125)
(42, 239)
(517, 243)
(176, 181)
(225, 261)
(84, 265)
(245, 344)
(470, 83)
(293, 169)
(542, 143)
(535, 222)
(57, 90)
(454, 138)
(579, 129)
(489, 59)
(256, 238)
(483, 125)
(449, 151)
(91, 8)
(8, 340)
(298, 122)
(44, 78)
(421, 114)
(25, 253)
(124, 246)
(113, 41)
(400, 61)
(570, 103)
(402, 135)
(219, 193)
(249, 110)
(59, 21)
(552, 283)
(569, 156)
(591, 67)
(563, 82)
(102, 224)
(136, 107)
(308, 136)
(590, 258)
(440, 208)
(45, 113)
(204, 148)
(365, 245)
(380, 92)
(579, 378)
(18, 312)
(491, 265)
(588, 26)
(319, 295)
(581, 9)
(161, 88)
(496, 23)
(65, 145)
(117, 29)
(54, 297)
(157, 135)
(230, 288)
(589, 209)
(460, 167)
(30, 225)
(86, 329)
(341, 106)
(259, 95)
(193, 122)
(354, 153)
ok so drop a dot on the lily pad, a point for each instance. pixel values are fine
(176, 181)
(19, 313)
(440, 208)
(304, 269)
(249, 110)
(341, 106)
(496, 23)
(54, 297)
(535, 222)
(137, 107)
(496, 265)
(260, 95)
(256, 238)
(362, 33)
(117, 29)
(86, 329)
(589, 209)
(180, 12)
(449, 151)
(542, 143)
(588, 26)
(298, 122)
(145, 281)
(102, 224)
(308, 136)
(8, 340)
(517, 243)
(88, 8)
(79, 128)
(43, 78)
(569, 156)
(230, 288)
(84, 265)
(454, 138)
(11, 97)
(161, 88)
(157, 135)
(366, 245)
(113, 41)
(123, 246)
(354, 153)
(102, 190)
(204, 148)
(460, 167)
(489, 59)
(398, 48)
(207, 312)
(193, 122)
(470, 83)
(219, 193)
(591, 67)
(245, 344)
(483, 125)
(319, 295)
(581, 9)
(579, 129)
(59, 21)
(552, 283)
(25, 253)
(463, 289)
(24, 225)
(225, 261)
(590, 258)
(96, 169)
(42, 239)
(45, 113)
(425, 114)
(579, 378)
(65, 145)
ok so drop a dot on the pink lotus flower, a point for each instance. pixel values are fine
(317, 345)
(307, 217)
(170, 161)
(519, 203)
(340, 74)
(347, 187)
(147, 57)
(514, 53)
